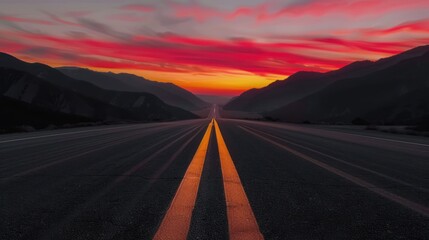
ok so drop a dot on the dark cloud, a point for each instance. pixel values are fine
(104, 29)
(68, 56)
(36, 51)
(59, 20)
(77, 34)
(13, 25)
(39, 52)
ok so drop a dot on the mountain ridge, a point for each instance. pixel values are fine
(299, 85)
(50, 92)
(366, 97)
(168, 92)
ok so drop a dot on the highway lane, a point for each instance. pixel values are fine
(228, 179)
(305, 184)
(63, 187)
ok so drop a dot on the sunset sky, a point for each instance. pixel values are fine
(211, 46)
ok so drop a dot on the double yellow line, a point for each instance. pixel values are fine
(241, 220)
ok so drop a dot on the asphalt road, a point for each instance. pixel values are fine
(203, 179)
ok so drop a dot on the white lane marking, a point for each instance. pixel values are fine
(308, 129)
(62, 134)
(358, 181)
(386, 139)
(339, 160)
(93, 130)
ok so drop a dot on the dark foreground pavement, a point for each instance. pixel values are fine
(117, 182)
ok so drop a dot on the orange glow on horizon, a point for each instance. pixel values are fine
(216, 83)
(232, 83)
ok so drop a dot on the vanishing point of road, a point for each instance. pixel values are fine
(213, 178)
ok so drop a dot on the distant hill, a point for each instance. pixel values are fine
(48, 74)
(278, 93)
(168, 92)
(390, 91)
(35, 101)
(303, 84)
(22, 116)
(215, 99)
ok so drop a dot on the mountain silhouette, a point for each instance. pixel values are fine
(303, 84)
(35, 89)
(391, 91)
(168, 92)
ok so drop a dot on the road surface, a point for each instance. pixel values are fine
(213, 178)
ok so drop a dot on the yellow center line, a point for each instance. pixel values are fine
(177, 220)
(241, 220)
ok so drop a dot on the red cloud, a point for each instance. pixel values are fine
(375, 47)
(419, 26)
(317, 8)
(25, 20)
(269, 11)
(138, 7)
(197, 12)
(353, 8)
(173, 53)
